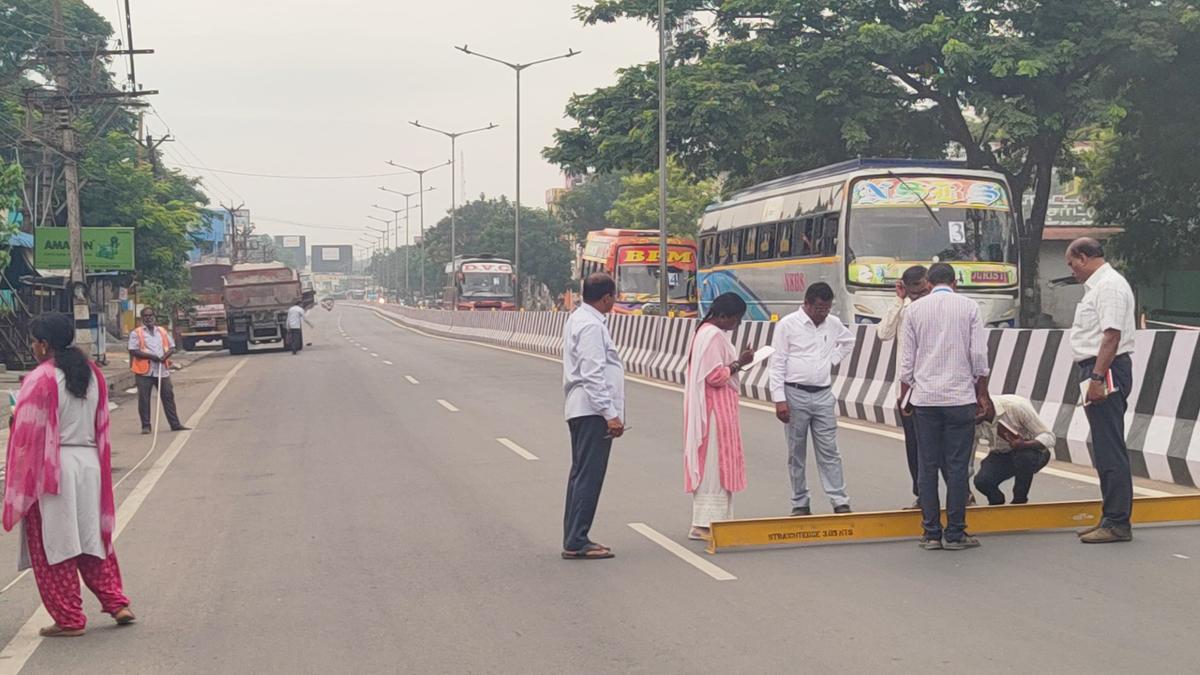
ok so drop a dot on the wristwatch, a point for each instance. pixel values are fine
(1096, 377)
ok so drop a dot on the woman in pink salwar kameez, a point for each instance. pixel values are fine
(710, 405)
(59, 482)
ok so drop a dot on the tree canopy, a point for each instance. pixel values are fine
(762, 88)
(637, 205)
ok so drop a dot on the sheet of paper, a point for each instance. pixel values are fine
(761, 355)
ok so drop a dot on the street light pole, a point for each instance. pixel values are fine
(662, 159)
(453, 136)
(385, 234)
(394, 266)
(518, 68)
(407, 231)
(421, 189)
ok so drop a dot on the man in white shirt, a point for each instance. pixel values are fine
(1102, 339)
(1017, 443)
(295, 317)
(150, 349)
(594, 384)
(808, 344)
(912, 286)
(943, 376)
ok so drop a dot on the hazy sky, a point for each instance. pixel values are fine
(313, 87)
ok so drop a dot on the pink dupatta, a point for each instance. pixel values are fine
(34, 461)
(710, 350)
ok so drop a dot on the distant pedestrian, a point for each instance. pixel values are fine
(150, 350)
(1102, 338)
(808, 344)
(943, 375)
(912, 286)
(594, 383)
(710, 410)
(296, 317)
(59, 481)
(1017, 444)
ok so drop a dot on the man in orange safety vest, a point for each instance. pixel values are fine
(150, 349)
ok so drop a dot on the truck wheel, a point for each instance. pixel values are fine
(189, 344)
(238, 347)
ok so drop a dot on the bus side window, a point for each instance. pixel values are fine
(783, 239)
(704, 249)
(749, 243)
(723, 252)
(829, 237)
(766, 242)
(804, 237)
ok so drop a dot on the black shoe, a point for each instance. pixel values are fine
(801, 510)
(931, 544)
(966, 542)
(146, 431)
(181, 428)
(844, 508)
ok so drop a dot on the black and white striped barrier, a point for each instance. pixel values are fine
(1161, 426)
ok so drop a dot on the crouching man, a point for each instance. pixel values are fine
(1018, 444)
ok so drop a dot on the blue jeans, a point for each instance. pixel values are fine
(945, 441)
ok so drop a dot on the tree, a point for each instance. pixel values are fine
(637, 207)
(1144, 177)
(585, 207)
(1033, 75)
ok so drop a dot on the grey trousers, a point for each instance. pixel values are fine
(814, 412)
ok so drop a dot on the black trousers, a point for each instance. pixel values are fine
(295, 339)
(589, 463)
(1109, 453)
(945, 440)
(910, 449)
(145, 385)
(1020, 465)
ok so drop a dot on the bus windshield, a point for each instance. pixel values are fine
(640, 282)
(897, 222)
(487, 285)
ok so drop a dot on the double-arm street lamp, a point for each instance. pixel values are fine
(517, 68)
(383, 234)
(453, 136)
(407, 230)
(421, 190)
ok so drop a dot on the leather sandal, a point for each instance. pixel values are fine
(58, 631)
(124, 616)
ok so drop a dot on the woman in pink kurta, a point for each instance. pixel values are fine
(710, 406)
(59, 482)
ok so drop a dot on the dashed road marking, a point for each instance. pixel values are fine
(388, 363)
(411, 379)
(682, 553)
(447, 405)
(374, 355)
(517, 449)
(364, 349)
(1181, 556)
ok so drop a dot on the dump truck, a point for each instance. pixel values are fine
(257, 298)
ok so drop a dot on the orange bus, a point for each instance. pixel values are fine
(632, 258)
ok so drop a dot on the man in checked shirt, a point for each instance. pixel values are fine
(943, 376)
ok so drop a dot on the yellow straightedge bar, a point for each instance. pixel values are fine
(797, 530)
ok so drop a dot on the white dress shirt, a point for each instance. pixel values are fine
(944, 349)
(889, 326)
(1017, 414)
(154, 345)
(593, 375)
(805, 353)
(295, 316)
(1107, 303)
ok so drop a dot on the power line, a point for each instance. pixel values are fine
(282, 177)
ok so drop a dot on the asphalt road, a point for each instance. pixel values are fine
(329, 514)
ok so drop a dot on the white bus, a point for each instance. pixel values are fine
(857, 226)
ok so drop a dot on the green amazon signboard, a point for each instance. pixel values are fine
(104, 248)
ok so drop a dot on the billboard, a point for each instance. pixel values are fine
(333, 259)
(292, 250)
(104, 248)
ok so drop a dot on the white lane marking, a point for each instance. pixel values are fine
(364, 349)
(517, 449)
(682, 553)
(374, 355)
(411, 379)
(1181, 556)
(886, 433)
(16, 653)
(388, 363)
(447, 405)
